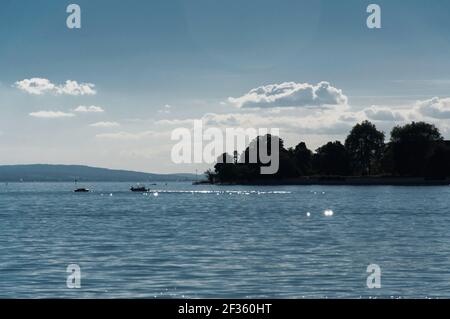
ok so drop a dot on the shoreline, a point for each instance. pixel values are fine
(341, 181)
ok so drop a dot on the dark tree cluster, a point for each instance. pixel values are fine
(414, 150)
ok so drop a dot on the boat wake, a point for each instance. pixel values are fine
(229, 192)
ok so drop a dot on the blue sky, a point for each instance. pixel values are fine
(156, 65)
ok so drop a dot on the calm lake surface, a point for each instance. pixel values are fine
(223, 241)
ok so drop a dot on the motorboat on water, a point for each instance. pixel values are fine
(80, 189)
(141, 189)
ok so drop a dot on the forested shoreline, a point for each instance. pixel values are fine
(415, 151)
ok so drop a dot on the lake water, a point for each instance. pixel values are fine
(223, 241)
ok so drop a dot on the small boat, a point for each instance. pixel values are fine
(82, 190)
(141, 189)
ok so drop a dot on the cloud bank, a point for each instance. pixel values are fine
(383, 114)
(436, 108)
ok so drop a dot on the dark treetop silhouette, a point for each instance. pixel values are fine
(416, 152)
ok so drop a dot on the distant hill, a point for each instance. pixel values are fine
(69, 173)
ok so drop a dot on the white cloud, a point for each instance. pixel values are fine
(51, 114)
(40, 86)
(105, 124)
(291, 94)
(89, 109)
(36, 86)
(383, 114)
(435, 108)
(74, 88)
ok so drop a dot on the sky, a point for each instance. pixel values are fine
(111, 93)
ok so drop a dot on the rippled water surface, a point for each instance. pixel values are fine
(231, 241)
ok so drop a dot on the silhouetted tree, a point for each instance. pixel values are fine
(365, 146)
(210, 176)
(386, 163)
(253, 162)
(412, 145)
(332, 159)
(415, 132)
(303, 159)
(225, 168)
(415, 149)
(438, 164)
(288, 167)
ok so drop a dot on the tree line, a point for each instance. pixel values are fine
(416, 149)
